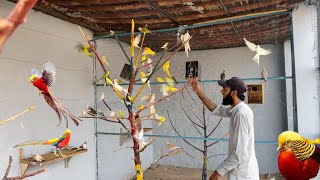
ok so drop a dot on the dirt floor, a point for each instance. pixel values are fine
(160, 172)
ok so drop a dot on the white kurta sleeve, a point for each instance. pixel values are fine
(222, 111)
(240, 140)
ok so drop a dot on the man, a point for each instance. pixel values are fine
(241, 163)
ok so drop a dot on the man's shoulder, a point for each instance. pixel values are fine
(244, 109)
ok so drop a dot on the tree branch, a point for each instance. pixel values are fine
(28, 175)
(8, 168)
(180, 135)
(215, 127)
(163, 98)
(17, 16)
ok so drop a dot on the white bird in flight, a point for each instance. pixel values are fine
(258, 50)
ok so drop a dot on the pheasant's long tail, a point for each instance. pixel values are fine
(31, 143)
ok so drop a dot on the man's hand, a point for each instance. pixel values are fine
(195, 85)
(215, 176)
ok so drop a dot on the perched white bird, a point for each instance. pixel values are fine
(137, 41)
(119, 88)
(165, 45)
(257, 49)
(185, 38)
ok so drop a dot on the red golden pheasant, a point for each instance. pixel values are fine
(58, 143)
(44, 80)
(299, 158)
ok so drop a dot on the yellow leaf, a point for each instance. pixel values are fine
(121, 114)
(143, 58)
(162, 119)
(130, 99)
(140, 107)
(143, 75)
(166, 67)
(148, 51)
(159, 79)
(132, 39)
(170, 81)
(172, 89)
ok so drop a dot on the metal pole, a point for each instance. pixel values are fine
(294, 88)
(95, 107)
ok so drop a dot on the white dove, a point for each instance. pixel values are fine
(185, 38)
(258, 50)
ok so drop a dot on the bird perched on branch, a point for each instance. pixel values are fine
(257, 49)
(44, 80)
(299, 158)
(58, 143)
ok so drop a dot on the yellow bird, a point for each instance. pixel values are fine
(85, 50)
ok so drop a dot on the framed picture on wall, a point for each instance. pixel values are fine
(192, 69)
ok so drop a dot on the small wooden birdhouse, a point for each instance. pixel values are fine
(255, 94)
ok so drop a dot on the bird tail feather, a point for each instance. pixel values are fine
(65, 111)
(31, 143)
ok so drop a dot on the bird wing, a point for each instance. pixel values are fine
(53, 141)
(250, 45)
(302, 149)
(35, 72)
(265, 52)
(49, 73)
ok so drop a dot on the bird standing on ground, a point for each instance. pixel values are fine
(44, 80)
(257, 49)
(299, 158)
(58, 143)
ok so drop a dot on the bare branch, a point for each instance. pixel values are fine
(28, 175)
(180, 135)
(8, 168)
(192, 122)
(192, 107)
(215, 127)
(184, 110)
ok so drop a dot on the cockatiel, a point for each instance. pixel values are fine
(181, 31)
(299, 158)
(258, 50)
(58, 143)
(223, 75)
(264, 75)
(44, 80)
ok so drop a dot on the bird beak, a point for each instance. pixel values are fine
(279, 148)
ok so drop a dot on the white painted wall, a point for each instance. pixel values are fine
(306, 57)
(270, 117)
(41, 39)
(119, 164)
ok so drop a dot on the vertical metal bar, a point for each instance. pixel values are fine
(95, 107)
(294, 88)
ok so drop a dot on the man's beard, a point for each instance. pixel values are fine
(227, 100)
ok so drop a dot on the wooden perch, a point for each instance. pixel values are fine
(48, 158)
(17, 16)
